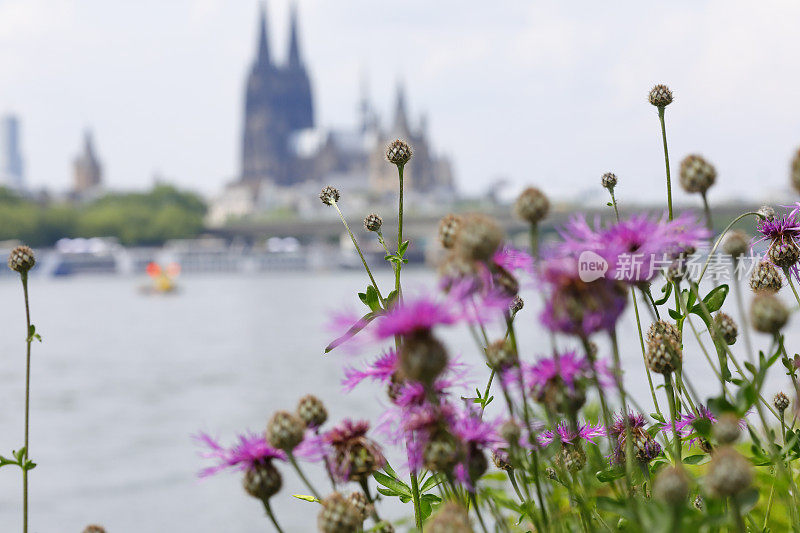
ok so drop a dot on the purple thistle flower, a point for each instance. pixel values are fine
(413, 315)
(568, 368)
(250, 450)
(586, 431)
(577, 307)
(380, 370)
(351, 454)
(511, 259)
(783, 231)
(645, 447)
(633, 248)
(684, 426)
(473, 430)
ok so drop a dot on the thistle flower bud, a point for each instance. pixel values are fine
(311, 411)
(373, 222)
(697, 174)
(765, 278)
(664, 352)
(729, 473)
(671, 485)
(767, 313)
(660, 96)
(448, 228)
(450, 518)
(516, 305)
(478, 237)
(285, 431)
(338, 516)
(784, 254)
(736, 243)
(609, 181)
(677, 271)
(359, 502)
(727, 430)
(262, 481)
(505, 282)
(571, 458)
(766, 212)
(781, 402)
(395, 387)
(398, 152)
(443, 452)
(795, 171)
(329, 195)
(21, 259)
(500, 460)
(726, 327)
(511, 432)
(422, 357)
(532, 205)
(501, 355)
(550, 472)
(94, 528)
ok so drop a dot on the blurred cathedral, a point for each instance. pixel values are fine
(286, 158)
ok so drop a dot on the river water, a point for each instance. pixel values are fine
(123, 380)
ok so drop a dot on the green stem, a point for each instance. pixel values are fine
(361, 255)
(399, 230)
(303, 478)
(707, 211)
(673, 415)
(365, 489)
(719, 240)
(271, 515)
(737, 516)
(788, 275)
(415, 498)
(666, 159)
(478, 511)
(29, 340)
(737, 289)
(644, 357)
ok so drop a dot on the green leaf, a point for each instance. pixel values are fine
(666, 290)
(430, 483)
(392, 484)
(702, 426)
(354, 329)
(403, 247)
(306, 498)
(610, 474)
(694, 459)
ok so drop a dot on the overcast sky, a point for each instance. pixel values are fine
(550, 93)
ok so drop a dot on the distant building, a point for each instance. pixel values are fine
(87, 171)
(12, 168)
(285, 157)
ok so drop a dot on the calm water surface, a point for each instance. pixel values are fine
(122, 381)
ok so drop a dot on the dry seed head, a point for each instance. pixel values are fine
(765, 278)
(21, 259)
(448, 228)
(736, 243)
(329, 195)
(478, 237)
(94, 528)
(532, 205)
(500, 460)
(781, 401)
(422, 357)
(795, 171)
(729, 473)
(505, 282)
(609, 181)
(285, 431)
(672, 485)
(450, 518)
(338, 516)
(767, 212)
(501, 355)
(373, 222)
(697, 174)
(571, 458)
(516, 305)
(311, 411)
(398, 152)
(727, 430)
(660, 96)
(551, 473)
(262, 481)
(784, 254)
(698, 503)
(767, 313)
(726, 327)
(510, 432)
(359, 503)
(663, 347)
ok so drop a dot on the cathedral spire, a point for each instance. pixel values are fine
(400, 125)
(294, 46)
(263, 42)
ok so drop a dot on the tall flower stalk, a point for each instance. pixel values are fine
(660, 96)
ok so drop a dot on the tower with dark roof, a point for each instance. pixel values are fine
(87, 171)
(278, 103)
